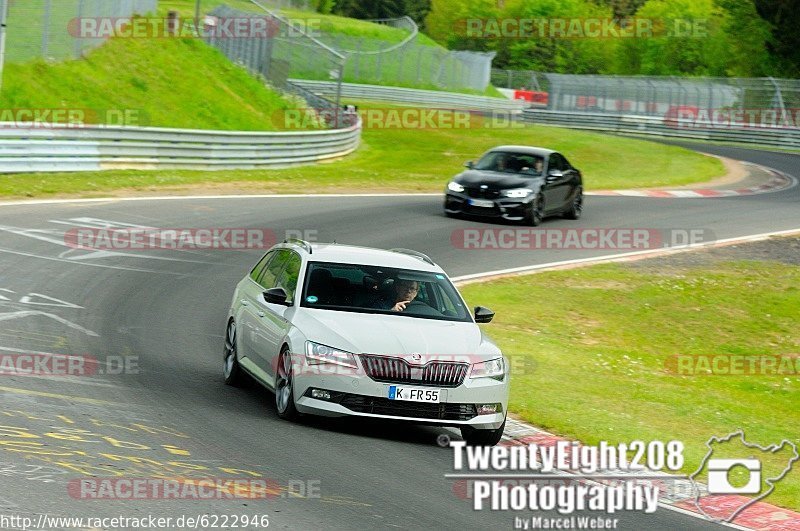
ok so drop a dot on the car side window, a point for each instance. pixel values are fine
(271, 272)
(555, 162)
(565, 163)
(288, 277)
(259, 268)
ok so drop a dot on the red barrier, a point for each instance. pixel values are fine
(532, 96)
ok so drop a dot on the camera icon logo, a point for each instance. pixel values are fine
(719, 481)
(724, 474)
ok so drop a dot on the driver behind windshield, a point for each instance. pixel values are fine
(405, 291)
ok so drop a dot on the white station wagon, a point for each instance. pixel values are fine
(338, 330)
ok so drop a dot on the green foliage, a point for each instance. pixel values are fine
(690, 37)
(784, 45)
(703, 37)
(372, 9)
(325, 6)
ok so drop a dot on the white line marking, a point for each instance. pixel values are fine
(73, 254)
(28, 313)
(64, 304)
(185, 197)
(102, 266)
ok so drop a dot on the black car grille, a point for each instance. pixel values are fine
(396, 370)
(477, 193)
(400, 408)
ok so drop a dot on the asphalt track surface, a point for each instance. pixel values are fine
(174, 417)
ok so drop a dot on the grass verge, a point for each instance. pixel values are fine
(598, 342)
(399, 160)
(165, 82)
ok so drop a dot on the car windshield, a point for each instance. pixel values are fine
(506, 162)
(372, 289)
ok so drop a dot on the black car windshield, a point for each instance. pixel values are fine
(382, 290)
(506, 162)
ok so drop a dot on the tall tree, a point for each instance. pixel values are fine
(371, 9)
(784, 18)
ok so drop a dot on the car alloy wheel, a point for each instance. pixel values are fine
(576, 209)
(231, 370)
(284, 388)
(535, 214)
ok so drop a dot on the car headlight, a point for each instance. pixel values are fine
(495, 368)
(318, 354)
(455, 187)
(517, 193)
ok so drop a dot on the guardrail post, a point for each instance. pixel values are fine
(78, 38)
(46, 27)
(3, 17)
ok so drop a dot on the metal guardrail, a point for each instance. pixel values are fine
(406, 96)
(666, 127)
(63, 149)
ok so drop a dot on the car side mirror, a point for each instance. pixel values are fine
(276, 296)
(554, 175)
(483, 315)
(470, 165)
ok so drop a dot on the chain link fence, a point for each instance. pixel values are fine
(519, 80)
(410, 63)
(49, 29)
(271, 47)
(654, 95)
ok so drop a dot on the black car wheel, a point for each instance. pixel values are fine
(576, 208)
(535, 213)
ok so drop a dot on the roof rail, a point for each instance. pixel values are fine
(415, 254)
(300, 243)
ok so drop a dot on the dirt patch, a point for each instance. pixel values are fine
(782, 249)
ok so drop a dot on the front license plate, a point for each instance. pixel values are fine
(414, 394)
(481, 203)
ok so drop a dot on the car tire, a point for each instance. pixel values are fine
(575, 210)
(232, 372)
(535, 214)
(476, 437)
(284, 387)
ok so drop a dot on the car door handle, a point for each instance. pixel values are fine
(244, 302)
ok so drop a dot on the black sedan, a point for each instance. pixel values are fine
(517, 183)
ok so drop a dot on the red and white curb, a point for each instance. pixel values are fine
(778, 182)
(678, 494)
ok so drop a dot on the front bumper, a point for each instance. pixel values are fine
(359, 395)
(503, 207)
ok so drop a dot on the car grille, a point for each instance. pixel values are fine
(396, 370)
(400, 408)
(477, 193)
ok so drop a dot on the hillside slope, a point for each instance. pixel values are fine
(166, 82)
